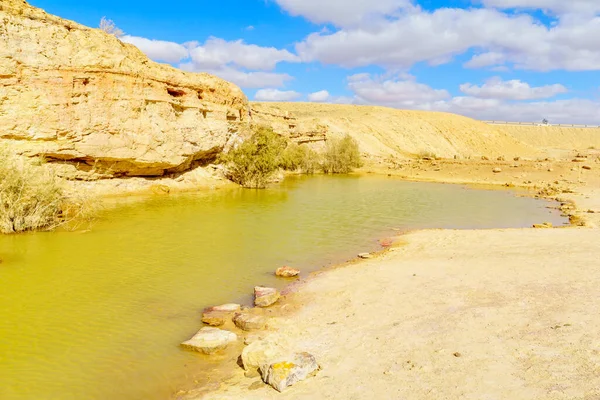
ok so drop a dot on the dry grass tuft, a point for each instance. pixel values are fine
(31, 197)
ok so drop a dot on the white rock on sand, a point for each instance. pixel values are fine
(289, 370)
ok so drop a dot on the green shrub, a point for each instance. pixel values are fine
(30, 197)
(341, 156)
(300, 158)
(426, 155)
(253, 163)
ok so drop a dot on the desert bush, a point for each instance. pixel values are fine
(341, 156)
(109, 27)
(254, 162)
(30, 197)
(300, 158)
(426, 155)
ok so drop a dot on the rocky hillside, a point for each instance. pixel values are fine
(386, 132)
(99, 107)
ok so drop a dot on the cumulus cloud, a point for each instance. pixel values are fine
(571, 111)
(342, 12)
(217, 52)
(319, 97)
(246, 65)
(436, 37)
(554, 6)
(276, 95)
(394, 92)
(496, 88)
(406, 93)
(158, 50)
(245, 79)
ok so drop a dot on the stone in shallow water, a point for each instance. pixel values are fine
(218, 315)
(249, 322)
(210, 340)
(226, 308)
(283, 374)
(287, 272)
(365, 255)
(214, 318)
(264, 296)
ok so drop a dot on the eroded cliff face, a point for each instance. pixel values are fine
(98, 107)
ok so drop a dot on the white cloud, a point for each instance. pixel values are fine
(554, 6)
(409, 94)
(394, 92)
(496, 88)
(571, 111)
(246, 65)
(217, 52)
(342, 12)
(245, 79)
(158, 50)
(436, 37)
(319, 97)
(276, 95)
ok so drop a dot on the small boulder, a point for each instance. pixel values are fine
(261, 352)
(210, 340)
(249, 322)
(587, 167)
(218, 315)
(283, 374)
(497, 170)
(485, 158)
(226, 308)
(214, 318)
(365, 256)
(388, 242)
(287, 272)
(264, 296)
(545, 225)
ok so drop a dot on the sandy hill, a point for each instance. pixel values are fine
(555, 137)
(387, 132)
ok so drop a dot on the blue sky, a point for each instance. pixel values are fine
(488, 59)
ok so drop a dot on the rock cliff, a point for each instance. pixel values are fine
(81, 98)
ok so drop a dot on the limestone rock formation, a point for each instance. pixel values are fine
(79, 96)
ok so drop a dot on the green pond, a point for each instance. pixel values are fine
(99, 314)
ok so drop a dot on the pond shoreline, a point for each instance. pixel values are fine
(297, 300)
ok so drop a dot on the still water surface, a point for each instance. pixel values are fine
(99, 314)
